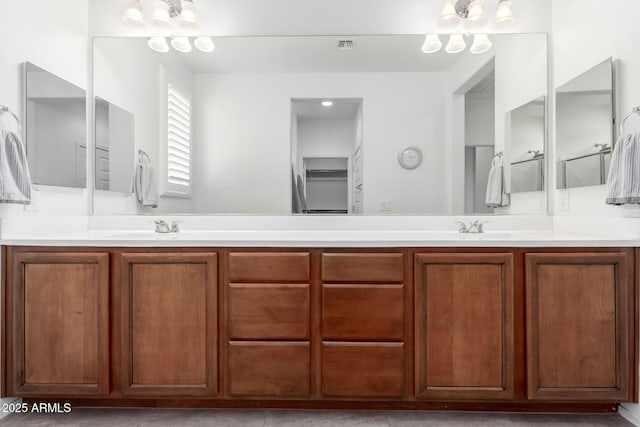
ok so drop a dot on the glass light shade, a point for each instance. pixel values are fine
(159, 44)
(327, 103)
(132, 16)
(504, 15)
(456, 44)
(204, 44)
(476, 18)
(181, 44)
(432, 43)
(188, 16)
(161, 17)
(448, 16)
(481, 44)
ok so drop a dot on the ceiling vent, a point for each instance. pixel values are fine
(346, 44)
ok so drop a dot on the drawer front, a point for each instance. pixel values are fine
(363, 312)
(269, 369)
(357, 267)
(363, 370)
(269, 266)
(265, 311)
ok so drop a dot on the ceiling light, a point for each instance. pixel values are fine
(132, 16)
(456, 44)
(432, 43)
(504, 15)
(448, 16)
(327, 103)
(476, 19)
(159, 44)
(204, 44)
(188, 16)
(481, 44)
(181, 44)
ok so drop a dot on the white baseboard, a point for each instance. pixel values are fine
(631, 416)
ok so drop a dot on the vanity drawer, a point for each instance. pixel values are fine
(374, 370)
(363, 312)
(359, 267)
(268, 311)
(269, 369)
(269, 266)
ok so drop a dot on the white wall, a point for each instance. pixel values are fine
(479, 119)
(585, 33)
(243, 132)
(322, 137)
(54, 38)
(127, 74)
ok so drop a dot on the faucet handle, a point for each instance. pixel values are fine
(463, 227)
(161, 226)
(175, 226)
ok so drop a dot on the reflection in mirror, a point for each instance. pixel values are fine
(584, 127)
(55, 129)
(114, 147)
(527, 142)
(326, 139)
(243, 147)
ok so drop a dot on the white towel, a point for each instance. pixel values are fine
(623, 185)
(15, 181)
(497, 196)
(144, 184)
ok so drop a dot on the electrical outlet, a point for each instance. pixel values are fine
(385, 206)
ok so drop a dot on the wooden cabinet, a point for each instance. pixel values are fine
(169, 324)
(60, 336)
(364, 321)
(268, 334)
(464, 327)
(579, 326)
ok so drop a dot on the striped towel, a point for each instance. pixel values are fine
(623, 185)
(496, 196)
(15, 181)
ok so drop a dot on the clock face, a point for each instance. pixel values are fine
(410, 157)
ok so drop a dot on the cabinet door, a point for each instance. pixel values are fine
(169, 324)
(464, 329)
(577, 326)
(61, 323)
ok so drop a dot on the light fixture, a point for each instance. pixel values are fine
(164, 11)
(504, 15)
(133, 14)
(432, 43)
(181, 44)
(204, 44)
(481, 44)
(448, 15)
(327, 103)
(159, 44)
(456, 43)
(476, 19)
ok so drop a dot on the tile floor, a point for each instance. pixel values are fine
(286, 418)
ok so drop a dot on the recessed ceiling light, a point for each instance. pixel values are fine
(327, 103)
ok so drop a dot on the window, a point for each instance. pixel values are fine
(177, 159)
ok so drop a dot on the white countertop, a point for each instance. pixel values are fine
(324, 239)
(320, 232)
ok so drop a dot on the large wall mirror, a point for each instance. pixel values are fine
(321, 124)
(585, 127)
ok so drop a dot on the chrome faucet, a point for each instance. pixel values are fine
(474, 227)
(162, 226)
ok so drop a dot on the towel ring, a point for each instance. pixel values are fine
(636, 110)
(6, 110)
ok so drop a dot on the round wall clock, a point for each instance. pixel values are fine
(410, 157)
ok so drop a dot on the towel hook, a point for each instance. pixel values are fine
(636, 110)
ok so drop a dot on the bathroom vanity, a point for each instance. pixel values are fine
(545, 327)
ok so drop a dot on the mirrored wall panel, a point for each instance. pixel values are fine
(527, 137)
(316, 125)
(55, 129)
(584, 127)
